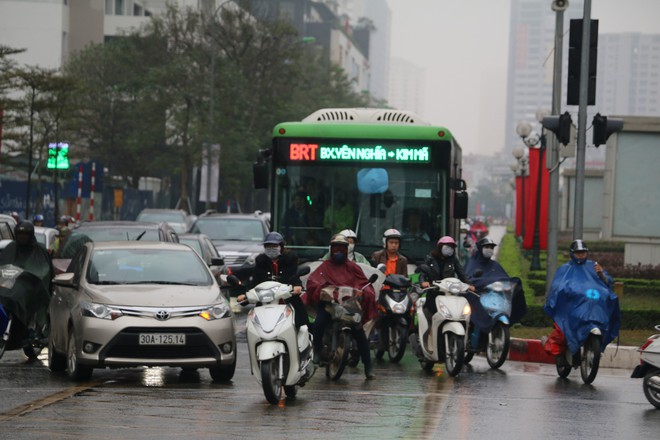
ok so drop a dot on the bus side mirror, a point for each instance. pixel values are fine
(461, 204)
(260, 175)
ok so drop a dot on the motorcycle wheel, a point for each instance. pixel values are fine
(651, 386)
(353, 354)
(270, 380)
(336, 365)
(74, 369)
(498, 347)
(454, 353)
(590, 359)
(468, 357)
(396, 343)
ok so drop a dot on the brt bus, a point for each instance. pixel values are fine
(367, 170)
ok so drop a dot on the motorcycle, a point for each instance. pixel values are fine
(346, 312)
(495, 300)
(396, 310)
(649, 369)
(587, 358)
(15, 333)
(443, 336)
(280, 355)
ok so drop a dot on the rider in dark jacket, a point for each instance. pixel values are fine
(481, 268)
(441, 263)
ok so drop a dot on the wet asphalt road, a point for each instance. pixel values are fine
(522, 400)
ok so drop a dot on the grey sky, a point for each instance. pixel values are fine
(463, 45)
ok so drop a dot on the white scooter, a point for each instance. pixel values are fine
(443, 337)
(649, 368)
(280, 356)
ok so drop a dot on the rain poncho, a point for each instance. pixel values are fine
(30, 294)
(579, 301)
(345, 274)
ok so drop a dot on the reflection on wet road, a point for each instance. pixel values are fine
(522, 400)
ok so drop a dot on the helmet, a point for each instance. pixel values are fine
(38, 218)
(348, 233)
(24, 227)
(16, 216)
(274, 238)
(64, 219)
(339, 239)
(578, 245)
(391, 233)
(446, 240)
(486, 241)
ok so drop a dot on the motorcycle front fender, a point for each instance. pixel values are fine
(454, 327)
(269, 350)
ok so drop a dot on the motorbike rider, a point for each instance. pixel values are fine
(338, 270)
(439, 264)
(352, 241)
(481, 268)
(280, 264)
(63, 232)
(38, 220)
(389, 256)
(555, 306)
(29, 300)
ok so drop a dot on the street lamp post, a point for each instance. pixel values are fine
(521, 167)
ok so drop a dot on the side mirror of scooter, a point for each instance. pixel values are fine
(381, 267)
(304, 270)
(373, 278)
(233, 280)
(423, 268)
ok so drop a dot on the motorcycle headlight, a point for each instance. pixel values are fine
(100, 311)
(216, 311)
(467, 310)
(399, 308)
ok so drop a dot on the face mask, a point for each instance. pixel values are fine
(351, 248)
(338, 257)
(447, 251)
(272, 253)
(487, 252)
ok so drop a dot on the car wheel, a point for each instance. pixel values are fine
(74, 369)
(223, 373)
(56, 361)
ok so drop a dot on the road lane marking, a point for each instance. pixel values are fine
(27, 408)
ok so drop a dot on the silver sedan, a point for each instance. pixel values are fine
(124, 304)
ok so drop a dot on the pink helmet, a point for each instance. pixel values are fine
(446, 240)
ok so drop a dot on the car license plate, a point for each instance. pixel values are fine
(162, 339)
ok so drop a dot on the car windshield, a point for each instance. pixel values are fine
(147, 266)
(78, 238)
(169, 217)
(193, 243)
(230, 229)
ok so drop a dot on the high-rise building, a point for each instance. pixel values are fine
(406, 86)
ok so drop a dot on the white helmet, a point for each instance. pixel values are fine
(391, 233)
(348, 233)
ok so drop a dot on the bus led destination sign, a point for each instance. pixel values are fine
(376, 153)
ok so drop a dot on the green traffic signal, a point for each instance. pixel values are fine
(58, 156)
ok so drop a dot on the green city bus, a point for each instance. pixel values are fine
(364, 169)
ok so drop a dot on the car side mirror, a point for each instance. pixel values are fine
(64, 279)
(217, 261)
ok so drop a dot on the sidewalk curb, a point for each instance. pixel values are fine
(531, 350)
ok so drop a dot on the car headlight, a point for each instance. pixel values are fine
(100, 311)
(216, 311)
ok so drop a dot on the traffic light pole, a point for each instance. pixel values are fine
(578, 218)
(553, 155)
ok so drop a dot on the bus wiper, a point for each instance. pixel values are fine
(141, 235)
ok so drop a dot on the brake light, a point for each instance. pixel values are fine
(646, 344)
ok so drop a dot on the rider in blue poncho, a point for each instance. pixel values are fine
(581, 298)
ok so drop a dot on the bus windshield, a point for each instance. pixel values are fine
(314, 199)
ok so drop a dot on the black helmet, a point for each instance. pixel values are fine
(24, 227)
(274, 238)
(486, 241)
(578, 245)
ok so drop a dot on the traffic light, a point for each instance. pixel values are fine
(575, 61)
(560, 126)
(604, 127)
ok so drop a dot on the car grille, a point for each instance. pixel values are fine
(126, 345)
